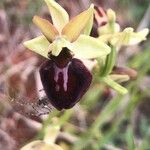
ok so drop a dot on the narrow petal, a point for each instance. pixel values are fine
(100, 16)
(86, 47)
(78, 24)
(46, 27)
(38, 45)
(59, 16)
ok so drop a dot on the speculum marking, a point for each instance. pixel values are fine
(64, 72)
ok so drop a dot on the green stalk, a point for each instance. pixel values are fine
(110, 62)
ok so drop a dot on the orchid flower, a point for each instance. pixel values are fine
(111, 33)
(48, 143)
(65, 79)
(73, 34)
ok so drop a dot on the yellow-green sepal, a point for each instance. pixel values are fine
(59, 15)
(89, 25)
(86, 47)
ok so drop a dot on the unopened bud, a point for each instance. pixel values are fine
(111, 15)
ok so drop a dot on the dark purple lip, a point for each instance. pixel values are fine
(65, 80)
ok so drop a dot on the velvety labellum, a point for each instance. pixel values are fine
(64, 82)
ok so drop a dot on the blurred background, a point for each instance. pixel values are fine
(103, 120)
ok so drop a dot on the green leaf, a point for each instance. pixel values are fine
(46, 27)
(77, 25)
(59, 16)
(89, 47)
(89, 25)
(38, 45)
(130, 139)
(120, 89)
